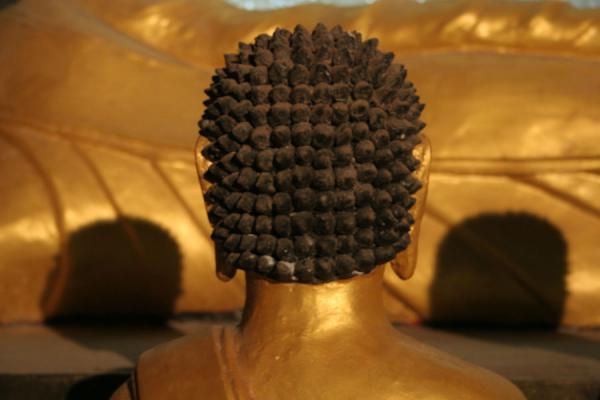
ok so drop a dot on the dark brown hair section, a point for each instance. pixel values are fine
(311, 138)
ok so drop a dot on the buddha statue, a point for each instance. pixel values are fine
(90, 152)
(314, 170)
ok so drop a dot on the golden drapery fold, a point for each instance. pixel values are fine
(98, 106)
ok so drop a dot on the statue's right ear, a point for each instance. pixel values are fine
(405, 262)
(225, 272)
(202, 163)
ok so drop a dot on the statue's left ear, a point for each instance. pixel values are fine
(405, 262)
(225, 272)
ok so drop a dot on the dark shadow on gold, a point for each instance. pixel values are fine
(114, 290)
(500, 270)
(501, 277)
(7, 3)
(116, 269)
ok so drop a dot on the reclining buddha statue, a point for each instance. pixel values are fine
(101, 190)
(314, 170)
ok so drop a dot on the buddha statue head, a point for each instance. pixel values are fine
(311, 160)
(311, 157)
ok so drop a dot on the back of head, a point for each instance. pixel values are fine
(311, 138)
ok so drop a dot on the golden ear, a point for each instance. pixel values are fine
(202, 163)
(405, 262)
(225, 272)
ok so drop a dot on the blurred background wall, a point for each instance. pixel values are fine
(102, 214)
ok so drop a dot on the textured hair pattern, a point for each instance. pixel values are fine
(311, 138)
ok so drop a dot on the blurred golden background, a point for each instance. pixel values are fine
(103, 214)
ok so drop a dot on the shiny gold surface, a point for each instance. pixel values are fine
(98, 105)
(327, 341)
(405, 262)
(314, 341)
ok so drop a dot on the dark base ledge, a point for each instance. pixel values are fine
(74, 361)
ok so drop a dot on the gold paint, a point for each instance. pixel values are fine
(405, 262)
(128, 83)
(326, 341)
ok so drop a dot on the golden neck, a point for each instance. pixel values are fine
(278, 310)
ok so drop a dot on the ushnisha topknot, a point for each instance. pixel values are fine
(311, 138)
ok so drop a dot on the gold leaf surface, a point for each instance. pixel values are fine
(103, 213)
